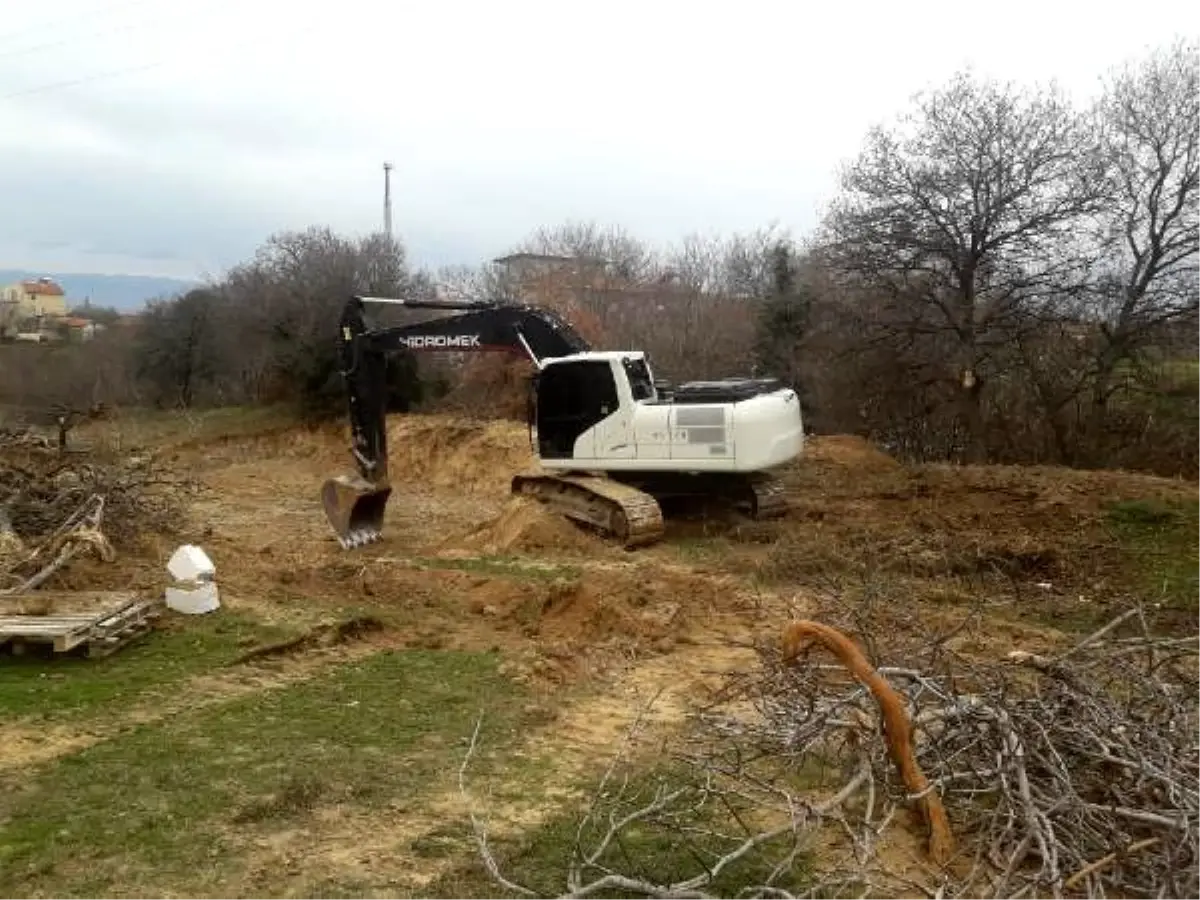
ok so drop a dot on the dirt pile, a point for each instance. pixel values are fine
(848, 451)
(575, 619)
(464, 454)
(526, 526)
(496, 385)
(1045, 540)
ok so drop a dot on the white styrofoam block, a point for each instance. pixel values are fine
(194, 601)
(190, 563)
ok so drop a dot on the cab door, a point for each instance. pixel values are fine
(613, 434)
(579, 412)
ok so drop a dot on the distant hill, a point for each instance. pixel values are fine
(125, 292)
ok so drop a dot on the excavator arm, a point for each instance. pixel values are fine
(355, 505)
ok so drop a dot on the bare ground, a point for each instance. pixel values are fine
(1009, 558)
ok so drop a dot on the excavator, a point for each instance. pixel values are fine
(612, 443)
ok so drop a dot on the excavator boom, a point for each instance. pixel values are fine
(355, 504)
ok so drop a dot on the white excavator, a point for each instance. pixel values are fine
(611, 442)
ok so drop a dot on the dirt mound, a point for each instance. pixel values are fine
(490, 384)
(452, 452)
(575, 617)
(848, 451)
(583, 612)
(527, 526)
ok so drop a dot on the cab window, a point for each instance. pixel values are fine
(640, 382)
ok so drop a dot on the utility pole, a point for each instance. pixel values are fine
(387, 199)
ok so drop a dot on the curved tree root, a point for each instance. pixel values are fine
(897, 728)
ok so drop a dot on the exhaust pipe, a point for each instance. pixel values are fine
(355, 508)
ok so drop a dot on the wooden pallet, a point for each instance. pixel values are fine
(110, 620)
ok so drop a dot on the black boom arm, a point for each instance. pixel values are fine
(362, 353)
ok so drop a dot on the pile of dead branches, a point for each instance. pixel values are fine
(50, 499)
(922, 772)
(1067, 775)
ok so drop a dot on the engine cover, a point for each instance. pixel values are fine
(728, 390)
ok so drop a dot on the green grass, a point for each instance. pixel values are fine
(701, 548)
(693, 832)
(173, 807)
(1178, 369)
(1159, 540)
(1180, 377)
(45, 688)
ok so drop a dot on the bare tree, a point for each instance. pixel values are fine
(586, 265)
(176, 349)
(299, 281)
(628, 259)
(961, 220)
(265, 333)
(700, 318)
(478, 284)
(1150, 115)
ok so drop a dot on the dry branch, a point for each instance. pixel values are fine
(1069, 775)
(897, 728)
(1044, 765)
(55, 503)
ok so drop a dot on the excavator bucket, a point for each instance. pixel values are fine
(354, 507)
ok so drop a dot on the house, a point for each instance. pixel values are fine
(79, 329)
(34, 299)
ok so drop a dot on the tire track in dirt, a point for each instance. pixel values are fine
(29, 745)
(340, 844)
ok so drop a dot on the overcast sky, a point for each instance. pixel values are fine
(171, 138)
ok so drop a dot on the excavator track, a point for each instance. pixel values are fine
(618, 510)
(769, 498)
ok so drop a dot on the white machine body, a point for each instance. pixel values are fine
(603, 411)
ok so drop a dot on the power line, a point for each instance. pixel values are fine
(133, 26)
(102, 10)
(74, 82)
(128, 70)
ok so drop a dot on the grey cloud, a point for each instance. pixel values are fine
(499, 120)
(121, 209)
(196, 127)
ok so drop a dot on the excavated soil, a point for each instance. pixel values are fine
(526, 526)
(977, 554)
(852, 508)
(854, 511)
(848, 451)
(463, 456)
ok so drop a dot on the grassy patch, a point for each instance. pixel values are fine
(52, 688)
(1159, 540)
(681, 842)
(701, 548)
(174, 807)
(150, 427)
